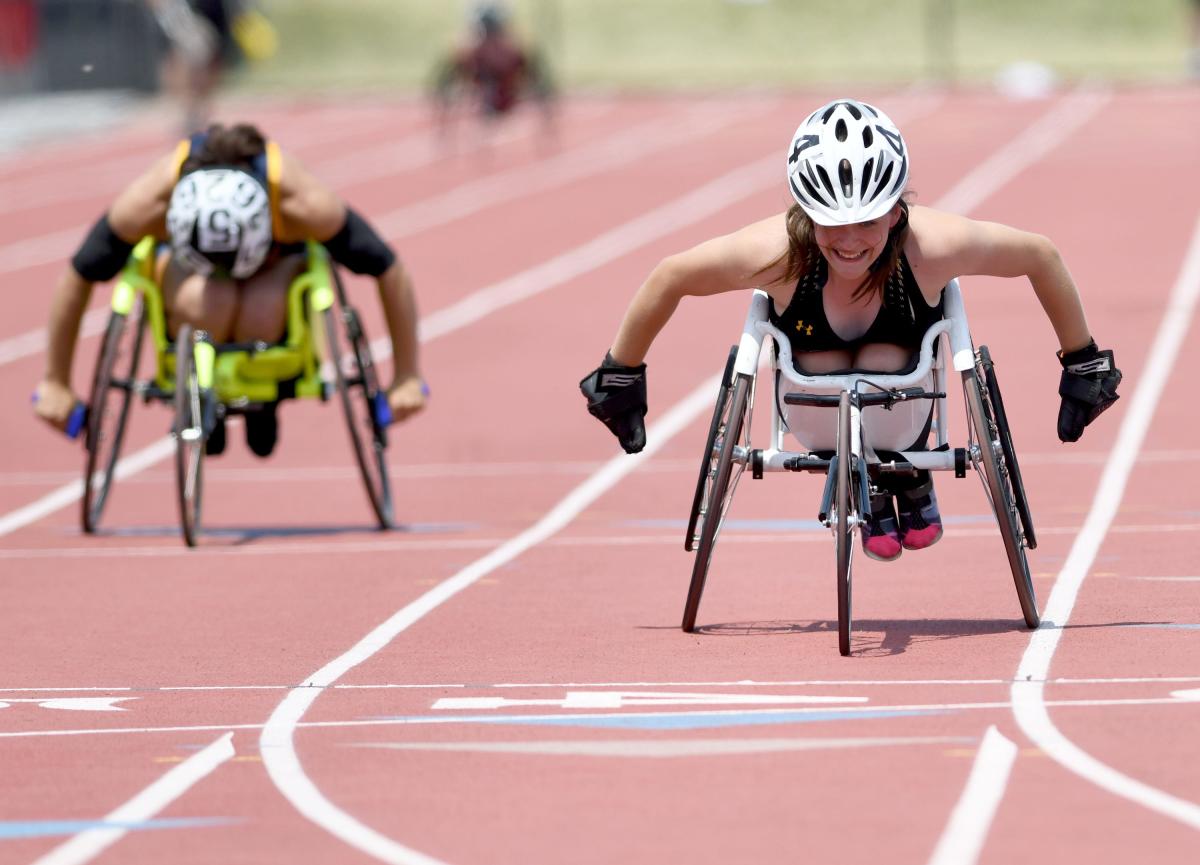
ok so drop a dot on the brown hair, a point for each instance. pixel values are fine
(235, 146)
(803, 252)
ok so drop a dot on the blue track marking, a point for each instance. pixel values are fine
(675, 720)
(45, 828)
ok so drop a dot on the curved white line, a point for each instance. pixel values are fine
(1028, 695)
(277, 743)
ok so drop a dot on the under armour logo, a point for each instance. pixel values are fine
(618, 379)
(803, 328)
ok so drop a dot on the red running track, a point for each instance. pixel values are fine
(503, 680)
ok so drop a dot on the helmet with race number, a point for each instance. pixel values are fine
(847, 163)
(219, 219)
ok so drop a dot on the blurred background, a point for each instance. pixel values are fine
(65, 45)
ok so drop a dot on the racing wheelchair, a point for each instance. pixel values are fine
(877, 415)
(206, 381)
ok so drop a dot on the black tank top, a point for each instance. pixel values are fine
(903, 318)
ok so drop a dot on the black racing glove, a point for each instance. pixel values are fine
(616, 395)
(1088, 387)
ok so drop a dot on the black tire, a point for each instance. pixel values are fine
(988, 458)
(845, 516)
(189, 434)
(362, 403)
(113, 386)
(720, 485)
(690, 539)
(1006, 443)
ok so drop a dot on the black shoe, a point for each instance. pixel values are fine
(262, 430)
(214, 445)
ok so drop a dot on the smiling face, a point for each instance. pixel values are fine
(851, 249)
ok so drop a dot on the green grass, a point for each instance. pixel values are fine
(707, 44)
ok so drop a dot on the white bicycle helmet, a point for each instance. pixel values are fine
(847, 163)
(220, 218)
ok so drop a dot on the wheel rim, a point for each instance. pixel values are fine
(358, 389)
(116, 370)
(986, 455)
(733, 430)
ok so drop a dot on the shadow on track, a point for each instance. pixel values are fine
(878, 637)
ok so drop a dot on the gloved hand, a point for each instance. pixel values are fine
(616, 395)
(1088, 387)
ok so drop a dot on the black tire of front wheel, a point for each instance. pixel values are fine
(844, 523)
(113, 386)
(1000, 493)
(1006, 443)
(189, 446)
(358, 391)
(717, 501)
(689, 540)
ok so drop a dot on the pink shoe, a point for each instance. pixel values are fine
(920, 520)
(880, 536)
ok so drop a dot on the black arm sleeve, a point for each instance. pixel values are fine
(358, 247)
(102, 254)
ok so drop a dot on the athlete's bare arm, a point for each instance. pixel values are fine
(728, 263)
(309, 208)
(943, 246)
(140, 209)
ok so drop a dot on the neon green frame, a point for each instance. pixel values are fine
(239, 377)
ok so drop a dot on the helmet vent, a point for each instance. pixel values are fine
(840, 132)
(868, 137)
(853, 109)
(812, 190)
(846, 178)
(825, 181)
(887, 173)
(866, 177)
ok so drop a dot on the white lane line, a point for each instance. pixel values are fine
(277, 743)
(609, 152)
(1186, 702)
(739, 683)
(1028, 698)
(1050, 130)
(596, 157)
(89, 844)
(962, 841)
(437, 541)
(73, 492)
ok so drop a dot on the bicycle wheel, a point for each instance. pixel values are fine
(189, 435)
(988, 458)
(691, 539)
(844, 521)
(113, 385)
(365, 407)
(1004, 432)
(733, 431)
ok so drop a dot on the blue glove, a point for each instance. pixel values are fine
(1088, 387)
(616, 395)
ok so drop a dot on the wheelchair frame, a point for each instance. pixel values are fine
(854, 464)
(207, 381)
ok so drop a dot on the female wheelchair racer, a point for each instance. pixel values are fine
(854, 277)
(233, 213)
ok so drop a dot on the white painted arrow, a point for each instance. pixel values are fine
(1193, 695)
(73, 704)
(626, 699)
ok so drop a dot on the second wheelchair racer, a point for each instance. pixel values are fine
(233, 212)
(855, 277)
